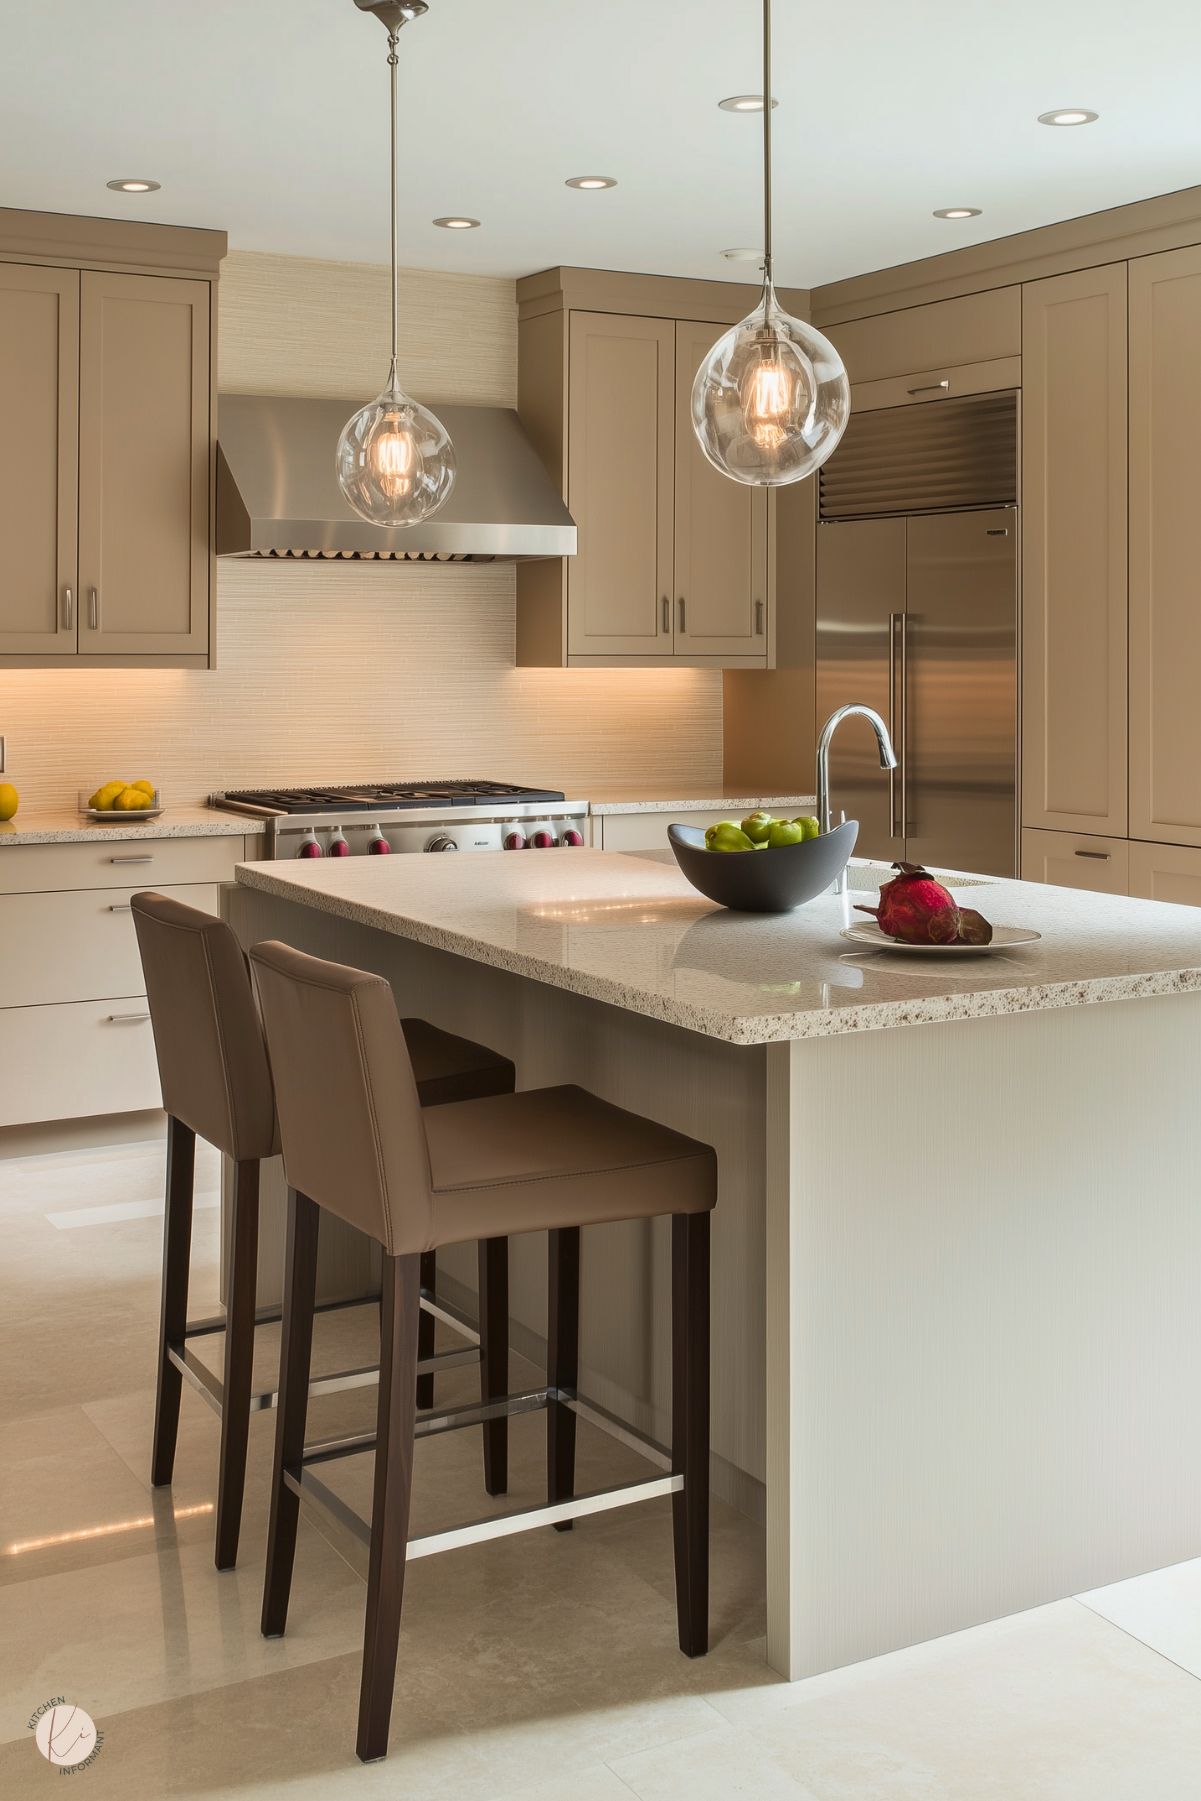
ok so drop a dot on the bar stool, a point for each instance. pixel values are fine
(216, 1083)
(552, 1159)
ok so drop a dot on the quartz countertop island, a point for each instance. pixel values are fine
(956, 1243)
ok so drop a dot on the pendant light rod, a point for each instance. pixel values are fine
(767, 257)
(393, 60)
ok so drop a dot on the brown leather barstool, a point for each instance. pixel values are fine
(216, 1083)
(552, 1159)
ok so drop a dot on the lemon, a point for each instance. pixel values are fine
(10, 800)
(130, 800)
(146, 788)
(105, 797)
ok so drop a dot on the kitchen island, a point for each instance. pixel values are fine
(956, 1345)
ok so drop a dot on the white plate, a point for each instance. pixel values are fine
(134, 817)
(1004, 938)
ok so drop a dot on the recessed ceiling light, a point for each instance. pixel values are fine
(591, 181)
(1068, 115)
(743, 256)
(457, 224)
(957, 212)
(745, 103)
(133, 184)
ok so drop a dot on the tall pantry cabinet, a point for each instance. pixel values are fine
(107, 459)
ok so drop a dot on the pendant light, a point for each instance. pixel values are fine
(771, 399)
(396, 463)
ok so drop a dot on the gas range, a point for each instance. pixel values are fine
(356, 819)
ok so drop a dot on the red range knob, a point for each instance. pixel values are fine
(338, 846)
(515, 841)
(542, 841)
(571, 836)
(310, 848)
(378, 846)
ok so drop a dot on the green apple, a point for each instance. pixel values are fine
(809, 826)
(723, 825)
(782, 832)
(756, 826)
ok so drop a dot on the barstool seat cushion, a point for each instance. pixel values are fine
(554, 1157)
(449, 1068)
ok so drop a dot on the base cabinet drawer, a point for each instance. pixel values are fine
(1076, 860)
(646, 831)
(118, 863)
(1166, 872)
(79, 945)
(73, 1061)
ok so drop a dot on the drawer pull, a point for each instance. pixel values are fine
(666, 614)
(1098, 856)
(758, 619)
(145, 858)
(125, 1019)
(121, 907)
(931, 387)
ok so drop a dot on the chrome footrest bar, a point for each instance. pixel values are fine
(429, 1425)
(210, 1385)
(600, 1417)
(271, 1315)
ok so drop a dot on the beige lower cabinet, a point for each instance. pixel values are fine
(1076, 860)
(1166, 872)
(1074, 551)
(75, 1037)
(645, 831)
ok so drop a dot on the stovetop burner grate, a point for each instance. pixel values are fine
(368, 797)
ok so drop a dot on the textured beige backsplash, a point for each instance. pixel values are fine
(352, 671)
(348, 671)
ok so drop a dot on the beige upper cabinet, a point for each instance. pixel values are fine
(675, 563)
(721, 535)
(39, 400)
(1165, 584)
(144, 435)
(621, 457)
(1074, 551)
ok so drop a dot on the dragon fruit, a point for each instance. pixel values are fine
(915, 909)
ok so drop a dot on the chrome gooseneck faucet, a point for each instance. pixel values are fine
(888, 760)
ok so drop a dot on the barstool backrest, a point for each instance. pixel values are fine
(349, 1116)
(212, 1061)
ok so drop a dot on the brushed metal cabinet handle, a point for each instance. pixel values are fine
(1097, 856)
(931, 387)
(892, 719)
(68, 609)
(121, 907)
(125, 1019)
(666, 613)
(683, 616)
(758, 619)
(906, 823)
(93, 610)
(146, 857)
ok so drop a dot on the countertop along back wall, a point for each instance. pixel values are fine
(352, 671)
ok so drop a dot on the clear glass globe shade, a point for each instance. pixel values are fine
(396, 463)
(771, 399)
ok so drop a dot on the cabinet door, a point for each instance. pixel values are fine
(39, 409)
(144, 466)
(1074, 551)
(1074, 860)
(1166, 872)
(621, 432)
(721, 533)
(1165, 586)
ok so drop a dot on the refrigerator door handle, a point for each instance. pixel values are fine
(895, 722)
(904, 710)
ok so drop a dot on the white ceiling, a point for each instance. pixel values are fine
(270, 119)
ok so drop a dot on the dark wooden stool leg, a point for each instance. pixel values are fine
(390, 1506)
(240, 1294)
(173, 1312)
(295, 1362)
(425, 1330)
(562, 1361)
(494, 1356)
(690, 1425)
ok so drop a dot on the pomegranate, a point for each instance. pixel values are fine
(915, 909)
(973, 927)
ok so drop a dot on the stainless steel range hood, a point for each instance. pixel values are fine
(278, 495)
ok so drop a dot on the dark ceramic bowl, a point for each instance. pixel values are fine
(764, 881)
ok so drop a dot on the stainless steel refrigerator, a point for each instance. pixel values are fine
(917, 616)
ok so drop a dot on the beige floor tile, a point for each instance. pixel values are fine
(1162, 1609)
(723, 1765)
